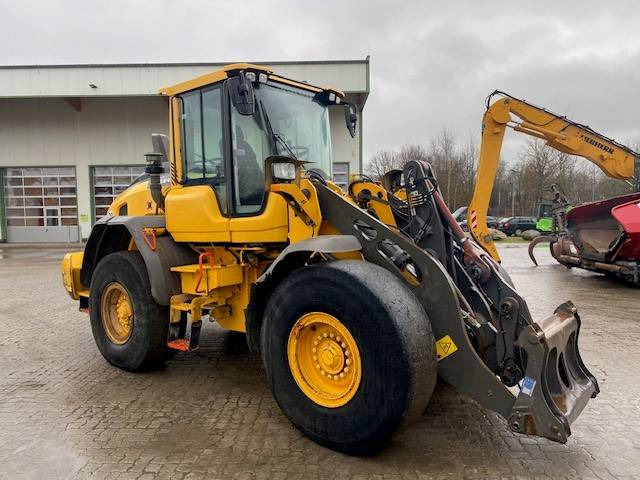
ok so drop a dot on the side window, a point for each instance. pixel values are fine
(213, 148)
(191, 120)
(202, 140)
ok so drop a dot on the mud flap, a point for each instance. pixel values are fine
(557, 384)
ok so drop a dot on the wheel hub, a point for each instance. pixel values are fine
(331, 360)
(123, 311)
(324, 359)
(116, 313)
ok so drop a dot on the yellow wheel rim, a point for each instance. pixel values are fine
(324, 359)
(117, 313)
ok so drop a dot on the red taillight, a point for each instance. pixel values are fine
(506, 225)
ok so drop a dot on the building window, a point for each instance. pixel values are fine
(41, 197)
(341, 174)
(109, 182)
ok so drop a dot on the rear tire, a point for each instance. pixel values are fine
(143, 345)
(394, 343)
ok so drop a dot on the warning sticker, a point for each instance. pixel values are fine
(445, 347)
(528, 384)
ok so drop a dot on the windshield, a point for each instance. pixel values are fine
(299, 125)
(287, 121)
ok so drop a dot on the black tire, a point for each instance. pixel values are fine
(146, 348)
(396, 346)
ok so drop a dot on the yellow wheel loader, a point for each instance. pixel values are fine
(355, 300)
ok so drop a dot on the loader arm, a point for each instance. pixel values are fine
(614, 159)
(473, 306)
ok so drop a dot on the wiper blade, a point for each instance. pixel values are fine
(276, 136)
(283, 142)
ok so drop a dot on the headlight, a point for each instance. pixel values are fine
(283, 171)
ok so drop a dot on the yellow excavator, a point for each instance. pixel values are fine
(603, 236)
(355, 300)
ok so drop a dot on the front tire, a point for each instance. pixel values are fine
(129, 327)
(349, 354)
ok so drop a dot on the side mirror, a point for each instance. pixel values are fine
(241, 91)
(351, 118)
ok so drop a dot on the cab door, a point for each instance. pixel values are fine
(257, 215)
(197, 209)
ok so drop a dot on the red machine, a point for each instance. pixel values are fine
(602, 236)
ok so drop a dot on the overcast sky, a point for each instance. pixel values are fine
(432, 63)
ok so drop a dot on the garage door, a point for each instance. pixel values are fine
(341, 174)
(41, 204)
(108, 182)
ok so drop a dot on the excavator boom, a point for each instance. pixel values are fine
(614, 159)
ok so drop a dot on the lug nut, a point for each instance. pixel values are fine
(347, 361)
(337, 339)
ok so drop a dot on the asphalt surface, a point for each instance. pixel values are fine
(66, 413)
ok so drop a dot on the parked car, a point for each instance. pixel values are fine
(492, 222)
(516, 225)
(460, 214)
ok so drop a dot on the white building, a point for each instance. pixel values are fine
(73, 136)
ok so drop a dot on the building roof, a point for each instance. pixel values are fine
(145, 79)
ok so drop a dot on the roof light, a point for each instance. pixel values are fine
(251, 76)
(332, 97)
(262, 78)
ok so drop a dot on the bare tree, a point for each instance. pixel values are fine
(381, 162)
(518, 186)
(411, 152)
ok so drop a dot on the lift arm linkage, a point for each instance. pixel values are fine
(614, 159)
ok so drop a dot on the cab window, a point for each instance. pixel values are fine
(250, 146)
(202, 146)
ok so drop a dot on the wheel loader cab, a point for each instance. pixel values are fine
(220, 151)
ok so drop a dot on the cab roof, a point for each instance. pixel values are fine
(229, 71)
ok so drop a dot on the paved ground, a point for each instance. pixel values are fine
(65, 413)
